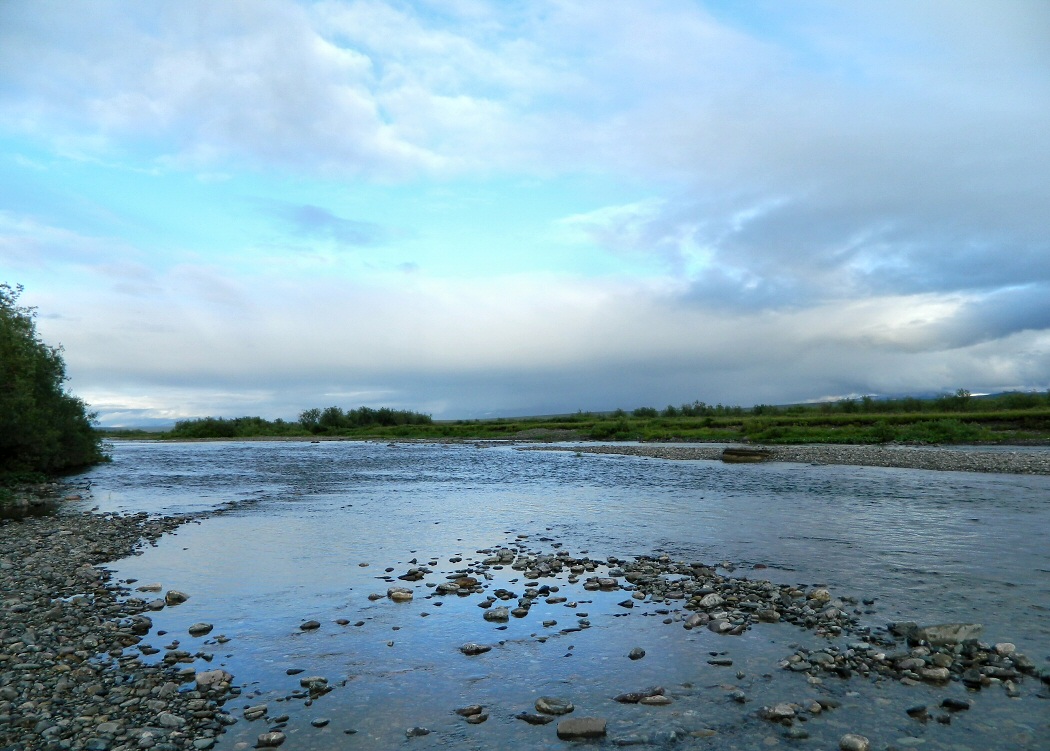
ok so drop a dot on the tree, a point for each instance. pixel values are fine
(43, 429)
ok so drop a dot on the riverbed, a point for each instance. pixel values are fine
(307, 532)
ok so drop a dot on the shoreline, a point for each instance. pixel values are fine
(67, 670)
(955, 459)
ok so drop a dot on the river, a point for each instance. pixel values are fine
(307, 531)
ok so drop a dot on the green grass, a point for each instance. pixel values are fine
(810, 425)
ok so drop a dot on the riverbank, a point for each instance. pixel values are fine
(71, 667)
(955, 459)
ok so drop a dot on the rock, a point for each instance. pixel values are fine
(270, 740)
(534, 719)
(947, 633)
(712, 600)
(581, 727)
(553, 705)
(473, 709)
(477, 719)
(211, 678)
(497, 614)
(320, 722)
(200, 629)
(470, 649)
(309, 625)
(416, 732)
(313, 681)
(174, 597)
(778, 712)
(400, 594)
(655, 701)
(955, 705)
(169, 720)
(854, 742)
(636, 654)
(255, 712)
(935, 675)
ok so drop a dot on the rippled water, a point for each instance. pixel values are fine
(928, 546)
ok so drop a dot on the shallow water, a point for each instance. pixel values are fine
(928, 546)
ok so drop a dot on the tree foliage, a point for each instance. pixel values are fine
(43, 429)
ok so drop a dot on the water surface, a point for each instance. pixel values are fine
(302, 518)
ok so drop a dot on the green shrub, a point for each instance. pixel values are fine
(43, 429)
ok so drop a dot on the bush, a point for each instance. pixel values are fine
(43, 429)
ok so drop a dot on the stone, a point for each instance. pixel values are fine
(174, 597)
(777, 712)
(309, 625)
(576, 728)
(169, 720)
(636, 654)
(947, 634)
(854, 742)
(554, 705)
(399, 594)
(935, 675)
(534, 719)
(712, 600)
(955, 705)
(270, 740)
(416, 732)
(655, 701)
(497, 614)
(320, 722)
(212, 678)
(200, 629)
(473, 709)
(470, 649)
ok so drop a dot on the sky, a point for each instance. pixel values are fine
(477, 208)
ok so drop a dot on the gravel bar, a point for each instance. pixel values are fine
(955, 459)
(71, 673)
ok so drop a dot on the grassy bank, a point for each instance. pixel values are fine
(954, 419)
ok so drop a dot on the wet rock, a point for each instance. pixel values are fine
(416, 732)
(200, 629)
(655, 701)
(270, 740)
(534, 719)
(636, 654)
(470, 649)
(554, 705)
(955, 705)
(309, 625)
(946, 633)
(320, 722)
(175, 597)
(470, 711)
(777, 712)
(854, 742)
(577, 728)
(497, 614)
(399, 594)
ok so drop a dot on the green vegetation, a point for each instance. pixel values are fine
(951, 418)
(331, 421)
(43, 429)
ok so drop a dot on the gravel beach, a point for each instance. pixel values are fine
(955, 459)
(71, 676)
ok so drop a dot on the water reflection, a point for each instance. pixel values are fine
(927, 546)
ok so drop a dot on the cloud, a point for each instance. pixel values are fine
(314, 221)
